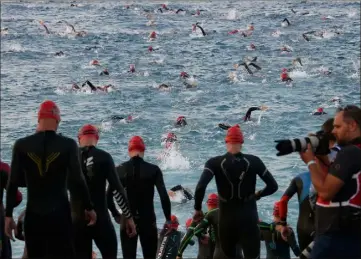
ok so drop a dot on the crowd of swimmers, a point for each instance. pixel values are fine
(49, 164)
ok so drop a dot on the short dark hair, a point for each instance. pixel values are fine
(352, 112)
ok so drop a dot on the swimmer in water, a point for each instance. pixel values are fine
(252, 47)
(96, 88)
(286, 48)
(186, 193)
(94, 62)
(319, 111)
(45, 27)
(185, 80)
(247, 117)
(150, 49)
(60, 53)
(247, 62)
(285, 22)
(76, 33)
(152, 35)
(181, 121)
(117, 118)
(105, 72)
(198, 13)
(285, 77)
(197, 25)
(297, 61)
(163, 86)
(170, 140)
(131, 68)
(303, 13)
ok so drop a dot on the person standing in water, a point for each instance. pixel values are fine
(139, 178)
(44, 163)
(235, 175)
(98, 168)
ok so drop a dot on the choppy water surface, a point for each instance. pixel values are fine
(30, 73)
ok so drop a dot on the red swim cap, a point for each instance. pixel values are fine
(284, 75)
(136, 143)
(188, 222)
(174, 221)
(153, 34)
(276, 209)
(212, 199)
(180, 118)
(49, 110)
(150, 48)
(171, 135)
(234, 135)
(89, 130)
(184, 74)
(320, 109)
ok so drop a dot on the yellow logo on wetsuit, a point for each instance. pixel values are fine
(51, 158)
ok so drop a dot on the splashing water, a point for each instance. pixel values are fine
(233, 15)
(172, 159)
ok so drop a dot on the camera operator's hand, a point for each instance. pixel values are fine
(308, 155)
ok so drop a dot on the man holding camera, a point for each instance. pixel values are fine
(338, 207)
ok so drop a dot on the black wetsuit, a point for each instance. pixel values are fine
(250, 64)
(319, 113)
(236, 184)
(247, 117)
(276, 247)
(286, 20)
(44, 163)
(104, 73)
(98, 168)
(139, 178)
(306, 220)
(116, 118)
(187, 194)
(168, 244)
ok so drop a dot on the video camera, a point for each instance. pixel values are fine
(319, 143)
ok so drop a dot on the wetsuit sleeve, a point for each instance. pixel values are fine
(291, 240)
(176, 188)
(267, 178)
(202, 226)
(206, 177)
(76, 177)
(111, 204)
(16, 176)
(163, 194)
(4, 174)
(186, 239)
(283, 207)
(118, 189)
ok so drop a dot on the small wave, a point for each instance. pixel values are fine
(12, 47)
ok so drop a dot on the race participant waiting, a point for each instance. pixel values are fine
(139, 178)
(46, 163)
(277, 245)
(235, 174)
